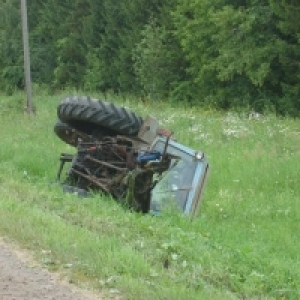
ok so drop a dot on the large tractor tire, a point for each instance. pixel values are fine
(89, 115)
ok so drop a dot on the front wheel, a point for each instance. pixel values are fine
(70, 135)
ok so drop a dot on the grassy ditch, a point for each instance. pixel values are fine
(244, 244)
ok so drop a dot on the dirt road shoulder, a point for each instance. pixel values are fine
(22, 278)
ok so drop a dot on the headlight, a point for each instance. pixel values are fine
(199, 155)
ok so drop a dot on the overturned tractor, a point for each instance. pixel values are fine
(128, 157)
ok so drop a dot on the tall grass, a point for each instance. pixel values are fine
(244, 243)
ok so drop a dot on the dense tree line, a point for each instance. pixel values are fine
(221, 53)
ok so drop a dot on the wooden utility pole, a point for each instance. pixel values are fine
(29, 106)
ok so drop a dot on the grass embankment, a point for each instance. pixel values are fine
(244, 244)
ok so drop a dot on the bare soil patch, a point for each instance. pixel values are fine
(22, 278)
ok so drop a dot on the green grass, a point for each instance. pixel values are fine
(243, 245)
